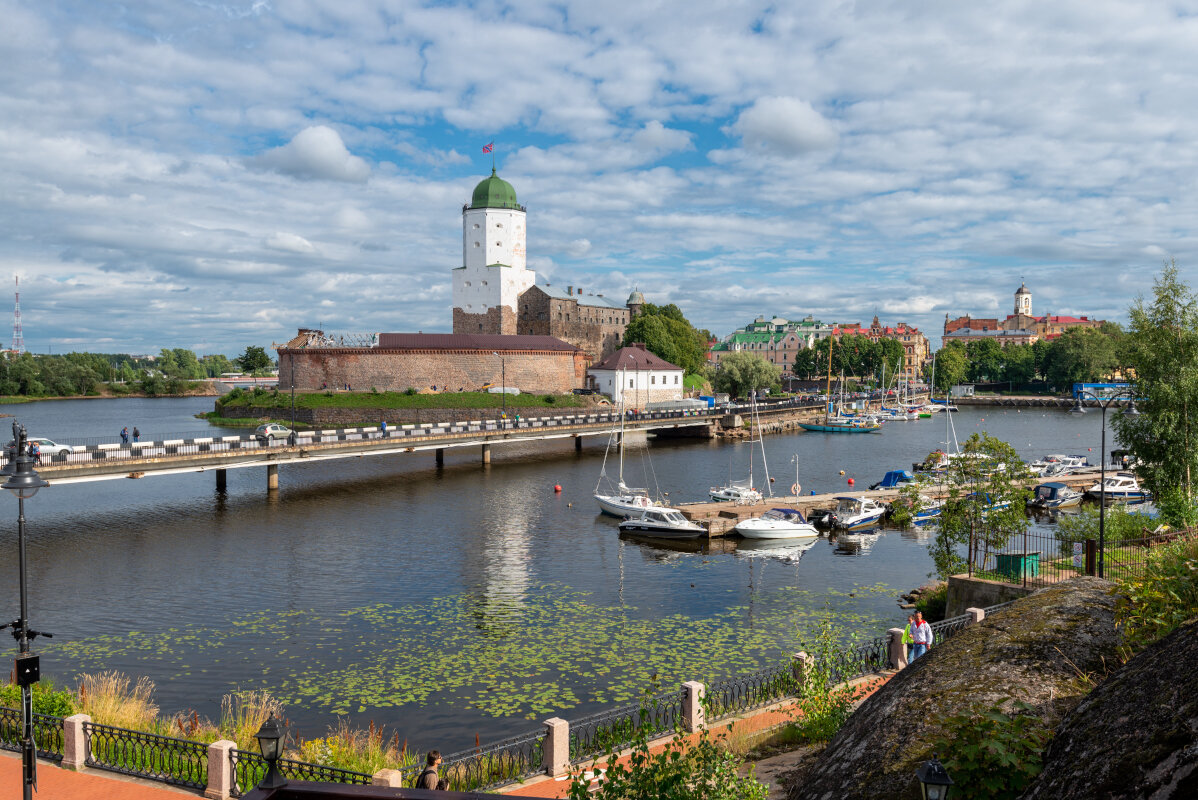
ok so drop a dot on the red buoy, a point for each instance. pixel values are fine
(557, 488)
(851, 481)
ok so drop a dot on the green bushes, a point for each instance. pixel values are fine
(933, 604)
(993, 754)
(47, 699)
(1153, 605)
(1120, 526)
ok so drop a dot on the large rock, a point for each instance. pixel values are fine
(1032, 651)
(1134, 736)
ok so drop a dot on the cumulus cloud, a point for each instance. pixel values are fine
(316, 152)
(290, 243)
(783, 125)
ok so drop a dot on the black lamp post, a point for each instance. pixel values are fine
(502, 386)
(934, 782)
(23, 481)
(1104, 402)
(270, 740)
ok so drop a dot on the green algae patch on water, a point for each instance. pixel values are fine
(547, 651)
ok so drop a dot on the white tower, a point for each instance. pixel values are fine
(493, 274)
(1023, 301)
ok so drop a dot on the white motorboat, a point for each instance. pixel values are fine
(777, 523)
(1054, 495)
(739, 492)
(929, 510)
(1057, 464)
(857, 512)
(1120, 486)
(667, 523)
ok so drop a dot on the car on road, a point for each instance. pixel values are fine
(270, 432)
(47, 447)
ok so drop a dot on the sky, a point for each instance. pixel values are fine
(211, 175)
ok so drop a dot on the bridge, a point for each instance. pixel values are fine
(100, 462)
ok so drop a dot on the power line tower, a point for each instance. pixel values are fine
(18, 336)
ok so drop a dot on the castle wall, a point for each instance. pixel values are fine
(536, 371)
(496, 320)
(598, 330)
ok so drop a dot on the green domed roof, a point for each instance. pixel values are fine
(494, 192)
(636, 298)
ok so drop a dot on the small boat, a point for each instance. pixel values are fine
(1060, 464)
(777, 523)
(1120, 486)
(666, 523)
(857, 512)
(894, 478)
(1054, 495)
(822, 517)
(625, 501)
(740, 492)
(831, 426)
(929, 510)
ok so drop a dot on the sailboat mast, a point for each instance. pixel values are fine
(828, 391)
(621, 443)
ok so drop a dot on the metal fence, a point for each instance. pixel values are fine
(608, 731)
(249, 768)
(735, 695)
(47, 733)
(147, 755)
(947, 628)
(496, 764)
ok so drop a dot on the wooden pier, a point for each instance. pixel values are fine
(721, 518)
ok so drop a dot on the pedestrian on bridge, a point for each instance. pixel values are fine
(136, 433)
(125, 435)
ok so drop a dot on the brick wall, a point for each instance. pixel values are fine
(499, 320)
(537, 372)
(596, 329)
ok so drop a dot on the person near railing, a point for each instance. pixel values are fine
(136, 434)
(908, 636)
(922, 635)
(429, 779)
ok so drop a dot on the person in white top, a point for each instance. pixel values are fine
(921, 632)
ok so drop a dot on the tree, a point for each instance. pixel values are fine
(1081, 355)
(1162, 352)
(950, 366)
(254, 359)
(985, 360)
(740, 374)
(1019, 364)
(984, 507)
(665, 332)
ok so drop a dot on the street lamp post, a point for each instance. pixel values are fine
(1104, 402)
(502, 386)
(23, 481)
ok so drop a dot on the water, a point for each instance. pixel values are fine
(447, 602)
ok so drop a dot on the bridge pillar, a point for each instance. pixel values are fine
(272, 476)
(440, 456)
(486, 453)
(578, 444)
(222, 480)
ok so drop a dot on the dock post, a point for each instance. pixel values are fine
(222, 480)
(577, 444)
(486, 453)
(440, 456)
(272, 477)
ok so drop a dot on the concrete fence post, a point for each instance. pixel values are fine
(976, 615)
(898, 650)
(801, 663)
(557, 747)
(392, 778)
(74, 742)
(694, 716)
(220, 770)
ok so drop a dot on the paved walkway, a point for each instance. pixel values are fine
(56, 783)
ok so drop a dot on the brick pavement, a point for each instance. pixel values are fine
(56, 783)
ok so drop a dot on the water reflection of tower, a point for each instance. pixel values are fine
(499, 567)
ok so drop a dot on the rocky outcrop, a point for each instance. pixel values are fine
(1034, 650)
(1134, 736)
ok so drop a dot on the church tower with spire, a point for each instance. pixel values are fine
(1023, 301)
(493, 275)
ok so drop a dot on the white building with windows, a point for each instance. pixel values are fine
(636, 377)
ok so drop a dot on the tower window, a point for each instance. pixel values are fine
(476, 226)
(498, 224)
(467, 283)
(476, 244)
(484, 283)
(499, 244)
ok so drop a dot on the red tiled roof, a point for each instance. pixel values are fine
(635, 358)
(469, 341)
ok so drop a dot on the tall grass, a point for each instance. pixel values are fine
(359, 750)
(242, 714)
(112, 698)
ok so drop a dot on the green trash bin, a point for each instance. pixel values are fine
(1015, 566)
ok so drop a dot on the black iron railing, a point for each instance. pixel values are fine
(609, 731)
(147, 755)
(47, 733)
(496, 764)
(735, 695)
(249, 768)
(946, 628)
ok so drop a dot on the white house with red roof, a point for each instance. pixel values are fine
(637, 377)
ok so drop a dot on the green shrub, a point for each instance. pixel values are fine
(992, 754)
(408, 392)
(933, 604)
(824, 700)
(47, 699)
(1153, 605)
(1120, 526)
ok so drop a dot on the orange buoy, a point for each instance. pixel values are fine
(557, 488)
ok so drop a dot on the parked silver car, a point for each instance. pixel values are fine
(270, 432)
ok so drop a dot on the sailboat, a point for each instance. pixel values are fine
(743, 492)
(621, 500)
(839, 424)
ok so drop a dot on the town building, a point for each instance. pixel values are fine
(494, 292)
(634, 376)
(1020, 327)
(916, 349)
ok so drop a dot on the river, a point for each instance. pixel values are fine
(447, 602)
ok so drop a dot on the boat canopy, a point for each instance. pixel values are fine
(895, 477)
